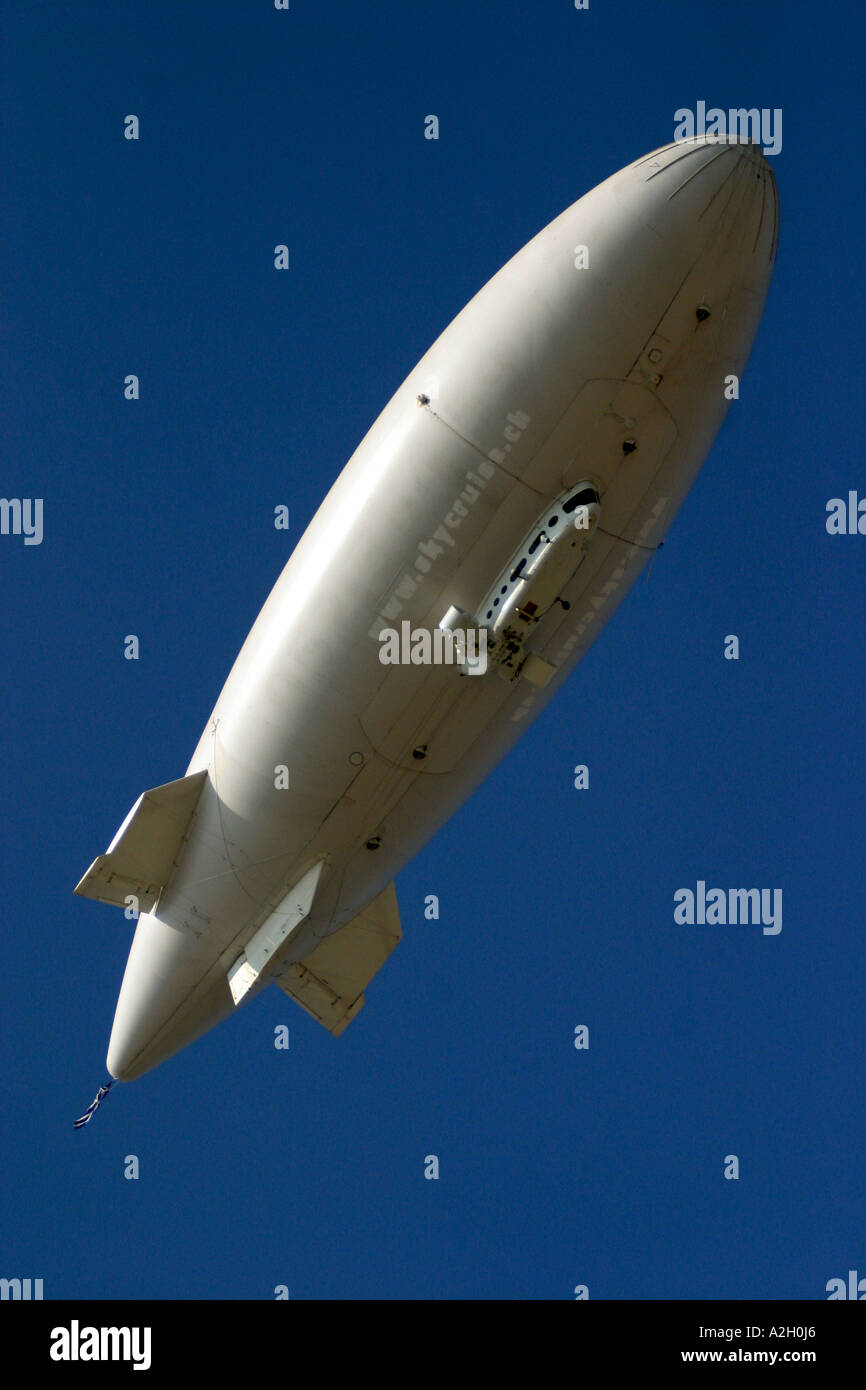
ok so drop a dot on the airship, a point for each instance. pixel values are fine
(469, 553)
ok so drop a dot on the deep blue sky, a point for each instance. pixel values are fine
(305, 1168)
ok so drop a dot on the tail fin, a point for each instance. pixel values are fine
(141, 857)
(330, 982)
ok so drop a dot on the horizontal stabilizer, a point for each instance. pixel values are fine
(330, 982)
(141, 857)
(274, 934)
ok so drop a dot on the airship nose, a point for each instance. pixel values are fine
(713, 193)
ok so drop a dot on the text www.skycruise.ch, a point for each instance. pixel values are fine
(771, 1358)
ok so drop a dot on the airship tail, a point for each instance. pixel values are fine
(143, 854)
(330, 982)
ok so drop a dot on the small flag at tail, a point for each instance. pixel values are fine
(88, 1114)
